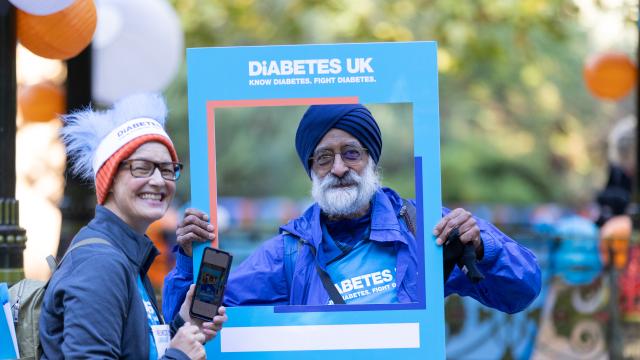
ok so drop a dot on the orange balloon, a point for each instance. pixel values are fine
(615, 235)
(610, 76)
(41, 102)
(157, 233)
(61, 35)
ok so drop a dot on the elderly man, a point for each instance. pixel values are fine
(353, 244)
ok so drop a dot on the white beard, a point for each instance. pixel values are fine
(346, 196)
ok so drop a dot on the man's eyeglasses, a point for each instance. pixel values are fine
(351, 155)
(144, 168)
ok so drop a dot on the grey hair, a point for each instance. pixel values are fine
(622, 141)
(84, 130)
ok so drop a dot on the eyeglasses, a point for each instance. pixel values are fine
(140, 168)
(350, 155)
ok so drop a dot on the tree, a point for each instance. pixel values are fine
(517, 123)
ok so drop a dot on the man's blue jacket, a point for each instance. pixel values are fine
(512, 274)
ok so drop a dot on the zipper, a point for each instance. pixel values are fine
(15, 308)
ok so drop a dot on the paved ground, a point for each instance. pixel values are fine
(631, 343)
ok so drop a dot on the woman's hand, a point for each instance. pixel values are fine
(209, 328)
(194, 226)
(190, 341)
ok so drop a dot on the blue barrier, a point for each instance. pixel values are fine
(577, 258)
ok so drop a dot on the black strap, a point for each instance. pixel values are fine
(53, 264)
(334, 295)
(452, 250)
(408, 213)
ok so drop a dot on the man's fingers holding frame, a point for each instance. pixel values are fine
(193, 227)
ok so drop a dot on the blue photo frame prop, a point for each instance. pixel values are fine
(290, 75)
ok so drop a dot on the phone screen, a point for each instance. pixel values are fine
(210, 283)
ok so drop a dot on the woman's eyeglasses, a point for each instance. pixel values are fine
(140, 168)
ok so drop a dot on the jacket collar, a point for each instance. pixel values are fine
(138, 248)
(384, 220)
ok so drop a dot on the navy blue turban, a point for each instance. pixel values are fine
(352, 118)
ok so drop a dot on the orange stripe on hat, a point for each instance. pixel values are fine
(108, 170)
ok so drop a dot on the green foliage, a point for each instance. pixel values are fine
(517, 123)
(256, 155)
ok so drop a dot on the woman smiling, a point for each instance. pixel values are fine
(100, 303)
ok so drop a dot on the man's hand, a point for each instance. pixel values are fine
(194, 227)
(467, 227)
(209, 329)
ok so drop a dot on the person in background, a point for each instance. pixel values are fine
(616, 196)
(355, 233)
(100, 302)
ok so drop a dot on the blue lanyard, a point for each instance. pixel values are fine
(152, 318)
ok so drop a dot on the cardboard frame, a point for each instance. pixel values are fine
(325, 74)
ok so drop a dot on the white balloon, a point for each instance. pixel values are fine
(137, 47)
(41, 7)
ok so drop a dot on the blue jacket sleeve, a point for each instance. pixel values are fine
(512, 275)
(176, 285)
(174, 354)
(260, 279)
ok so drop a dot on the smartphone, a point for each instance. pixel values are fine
(210, 284)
